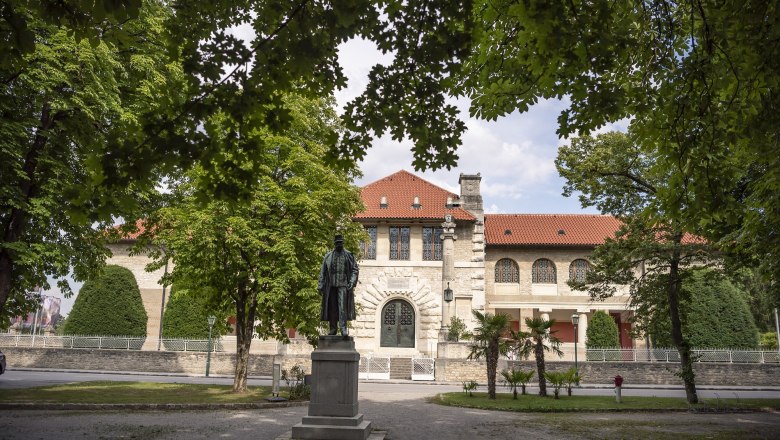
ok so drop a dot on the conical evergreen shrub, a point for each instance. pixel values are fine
(109, 305)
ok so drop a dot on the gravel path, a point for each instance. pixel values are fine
(403, 415)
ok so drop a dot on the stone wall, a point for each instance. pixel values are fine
(123, 360)
(461, 370)
(447, 369)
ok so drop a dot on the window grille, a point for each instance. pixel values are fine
(543, 271)
(399, 242)
(368, 249)
(507, 271)
(578, 269)
(432, 243)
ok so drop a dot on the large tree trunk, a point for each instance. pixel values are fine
(29, 188)
(492, 366)
(539, 352)
(673, 293)
(245, 322)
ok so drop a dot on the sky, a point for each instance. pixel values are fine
(515, 155)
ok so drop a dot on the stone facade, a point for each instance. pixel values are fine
(467, 265)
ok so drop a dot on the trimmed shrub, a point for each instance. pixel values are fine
(602, 331)
(186, 316)
(109, 305)
(715, 314)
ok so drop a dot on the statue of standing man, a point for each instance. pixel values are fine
(338, 278)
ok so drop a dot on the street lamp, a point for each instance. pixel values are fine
(448, 293)
(575, 319)
(211, 319)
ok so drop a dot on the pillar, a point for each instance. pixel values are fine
(447, 272)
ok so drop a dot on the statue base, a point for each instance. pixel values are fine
(333, 409)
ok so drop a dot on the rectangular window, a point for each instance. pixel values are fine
(368, 249)
(399, 242)
(432, 243)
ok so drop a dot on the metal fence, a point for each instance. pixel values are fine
(733, 356)
(106, 342)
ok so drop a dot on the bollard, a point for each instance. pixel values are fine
(277, 375)
(618, 388)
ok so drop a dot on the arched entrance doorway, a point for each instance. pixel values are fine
(397, 324)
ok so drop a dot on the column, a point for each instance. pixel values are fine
(447, 272)
(582, 330)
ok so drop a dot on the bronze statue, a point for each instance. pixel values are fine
(338, 278)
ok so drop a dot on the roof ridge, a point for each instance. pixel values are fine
(410, 174)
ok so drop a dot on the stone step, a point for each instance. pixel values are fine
(400, 368)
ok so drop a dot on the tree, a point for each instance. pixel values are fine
(652, 252)
(489, 342)
(715, 312)
(63, 101)
(602, 331)
(263, 254)
(186, 315)
(538, 339)
(457, 330)
(557, 379)
(698, 80)
(108, 305)
(103, 100)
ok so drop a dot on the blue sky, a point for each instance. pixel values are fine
(515, 155)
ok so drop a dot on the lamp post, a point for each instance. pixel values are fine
(575, 319)
(211, 319)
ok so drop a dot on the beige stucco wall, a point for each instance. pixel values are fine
(148, 283)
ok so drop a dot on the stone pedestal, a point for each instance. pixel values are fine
(333, 410)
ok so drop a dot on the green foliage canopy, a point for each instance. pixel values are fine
(109, 305)
(60, 108)
(602, 331)
(715, 314)
(186, 315)
(652, 251)
(261, 255)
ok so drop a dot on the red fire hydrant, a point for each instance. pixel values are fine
(618, 385)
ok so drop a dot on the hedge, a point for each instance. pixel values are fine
(108, 305)
(602, 331)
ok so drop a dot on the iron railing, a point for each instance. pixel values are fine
(721, 355)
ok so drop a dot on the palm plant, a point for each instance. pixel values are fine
(538, 339)
(571, 377)
(489, 341)
(557, 379)
(514, 378)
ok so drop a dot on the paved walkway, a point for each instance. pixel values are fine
(404, 414)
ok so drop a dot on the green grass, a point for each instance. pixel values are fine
(103, 392)
(534, 403)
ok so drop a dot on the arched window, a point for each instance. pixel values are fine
(578, 269)
(506, 271)
(543, 271)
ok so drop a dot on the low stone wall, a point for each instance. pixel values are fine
(461, 370)
(448, 370)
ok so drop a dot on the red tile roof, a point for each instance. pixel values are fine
(400, 189)
(544, 229)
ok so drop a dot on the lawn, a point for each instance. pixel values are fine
(106, 392)
(534, 403)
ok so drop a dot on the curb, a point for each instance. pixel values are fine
(146, 406)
